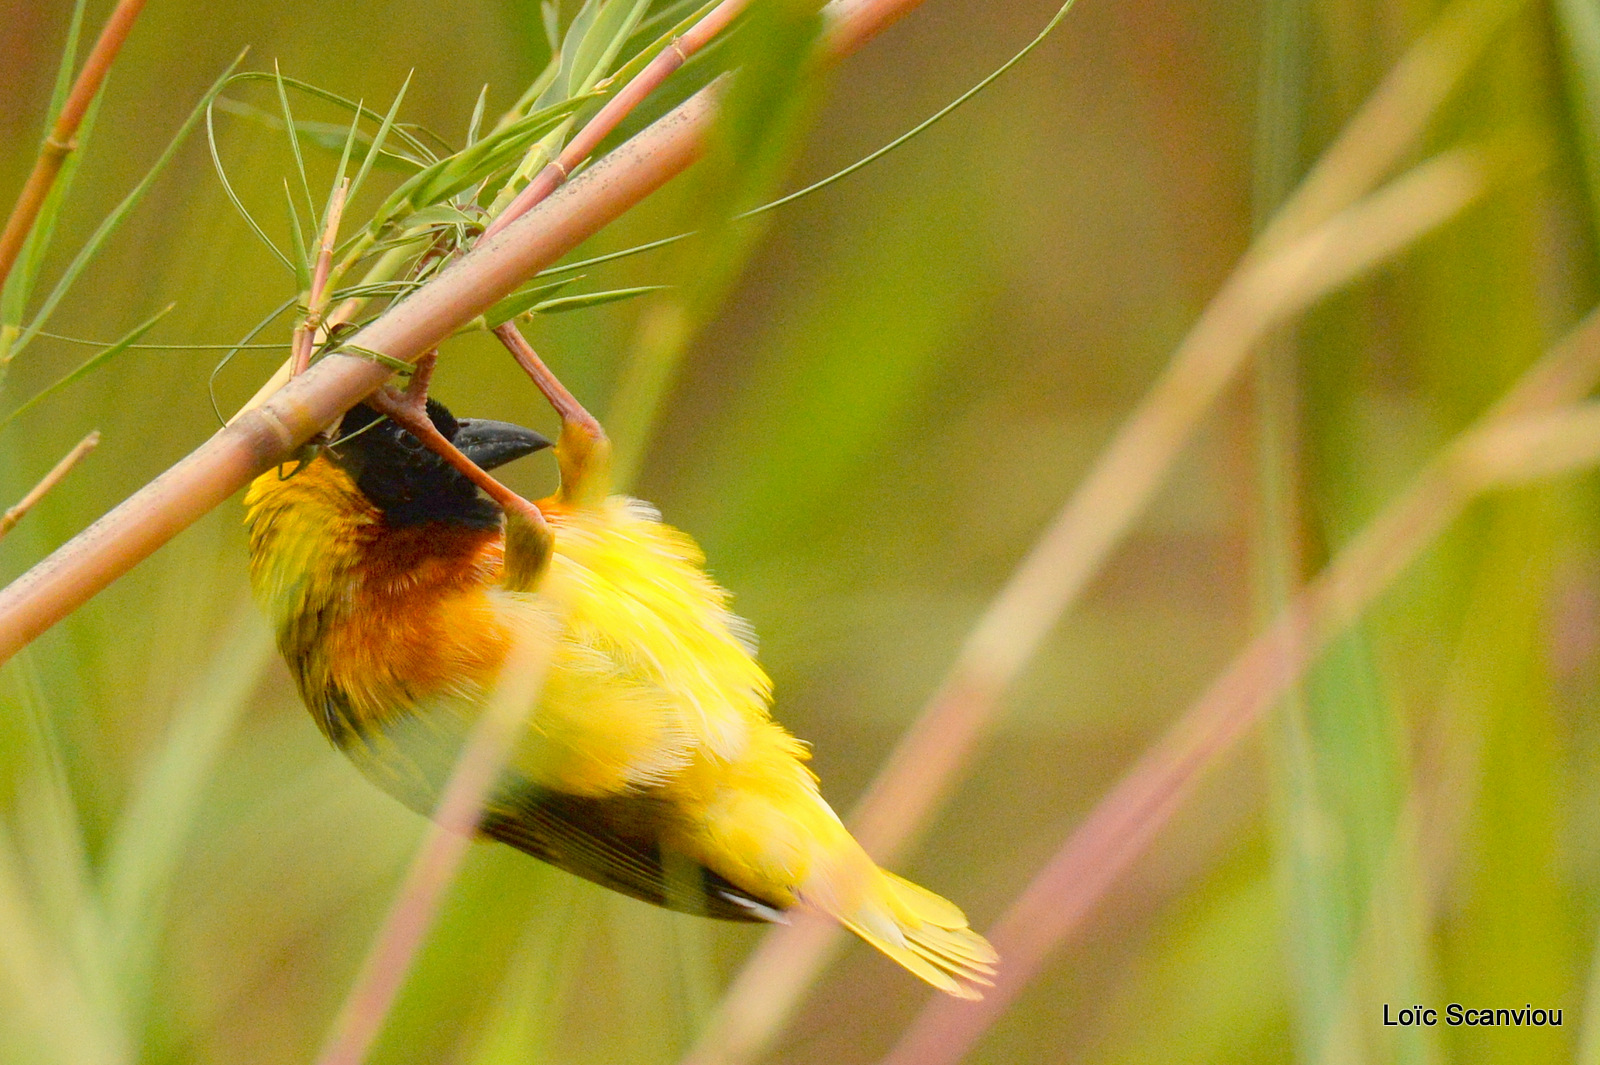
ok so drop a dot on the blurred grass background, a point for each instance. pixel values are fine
(909, 375)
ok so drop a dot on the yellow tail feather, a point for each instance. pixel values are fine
(926, 934)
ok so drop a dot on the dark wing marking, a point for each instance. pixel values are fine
(612, 842)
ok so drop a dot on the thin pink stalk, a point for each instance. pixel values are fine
(305, 334)
(58, 472)
(1121, 827)
(616, 109)
(62, 141)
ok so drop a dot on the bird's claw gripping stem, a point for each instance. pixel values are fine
(583, 451)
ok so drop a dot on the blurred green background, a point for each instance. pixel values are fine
(904, 382)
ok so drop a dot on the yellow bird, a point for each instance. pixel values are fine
(648, 762)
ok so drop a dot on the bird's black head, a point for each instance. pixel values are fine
(411, 484)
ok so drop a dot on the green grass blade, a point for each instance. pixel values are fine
(379, 138)
(585, 300)
(302, 259)
(227, 188)
(289, 129)
(476, 121)
(85, 342)
(19, 286)
(330, 136)
(523, 300)
(69, 61)
(357, 109)
(534, 92)
(343, 168)
(604, 40)
(613, 256)
(243, 345)
(817, 186)
(89, 365)
(923, 126)
(566, 80)
(476, 164)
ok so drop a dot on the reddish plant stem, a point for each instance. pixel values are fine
(62, 141)
(305, 334)
(616, 109)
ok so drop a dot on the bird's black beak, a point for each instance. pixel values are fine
(491, 444)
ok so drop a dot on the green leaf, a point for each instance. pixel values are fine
(91, 364)
(477, 116)
(377, 141)
(521, 301)
(585, 300)
(472, 165)
(302, 259)
(294, 140)
(440, 214)
(603, 41)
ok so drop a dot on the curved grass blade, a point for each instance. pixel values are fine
(471, 165)
(476, 122)
(330, 136)
(243, 345)
(927, 123)
(89, 365)
(92, 246)
(818, 186)
(85, 342)
(357, 108)
(227, 186)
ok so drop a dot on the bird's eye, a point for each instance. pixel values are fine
(410, 443)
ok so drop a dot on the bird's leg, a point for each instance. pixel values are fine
(582, 451)
(528, 536)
